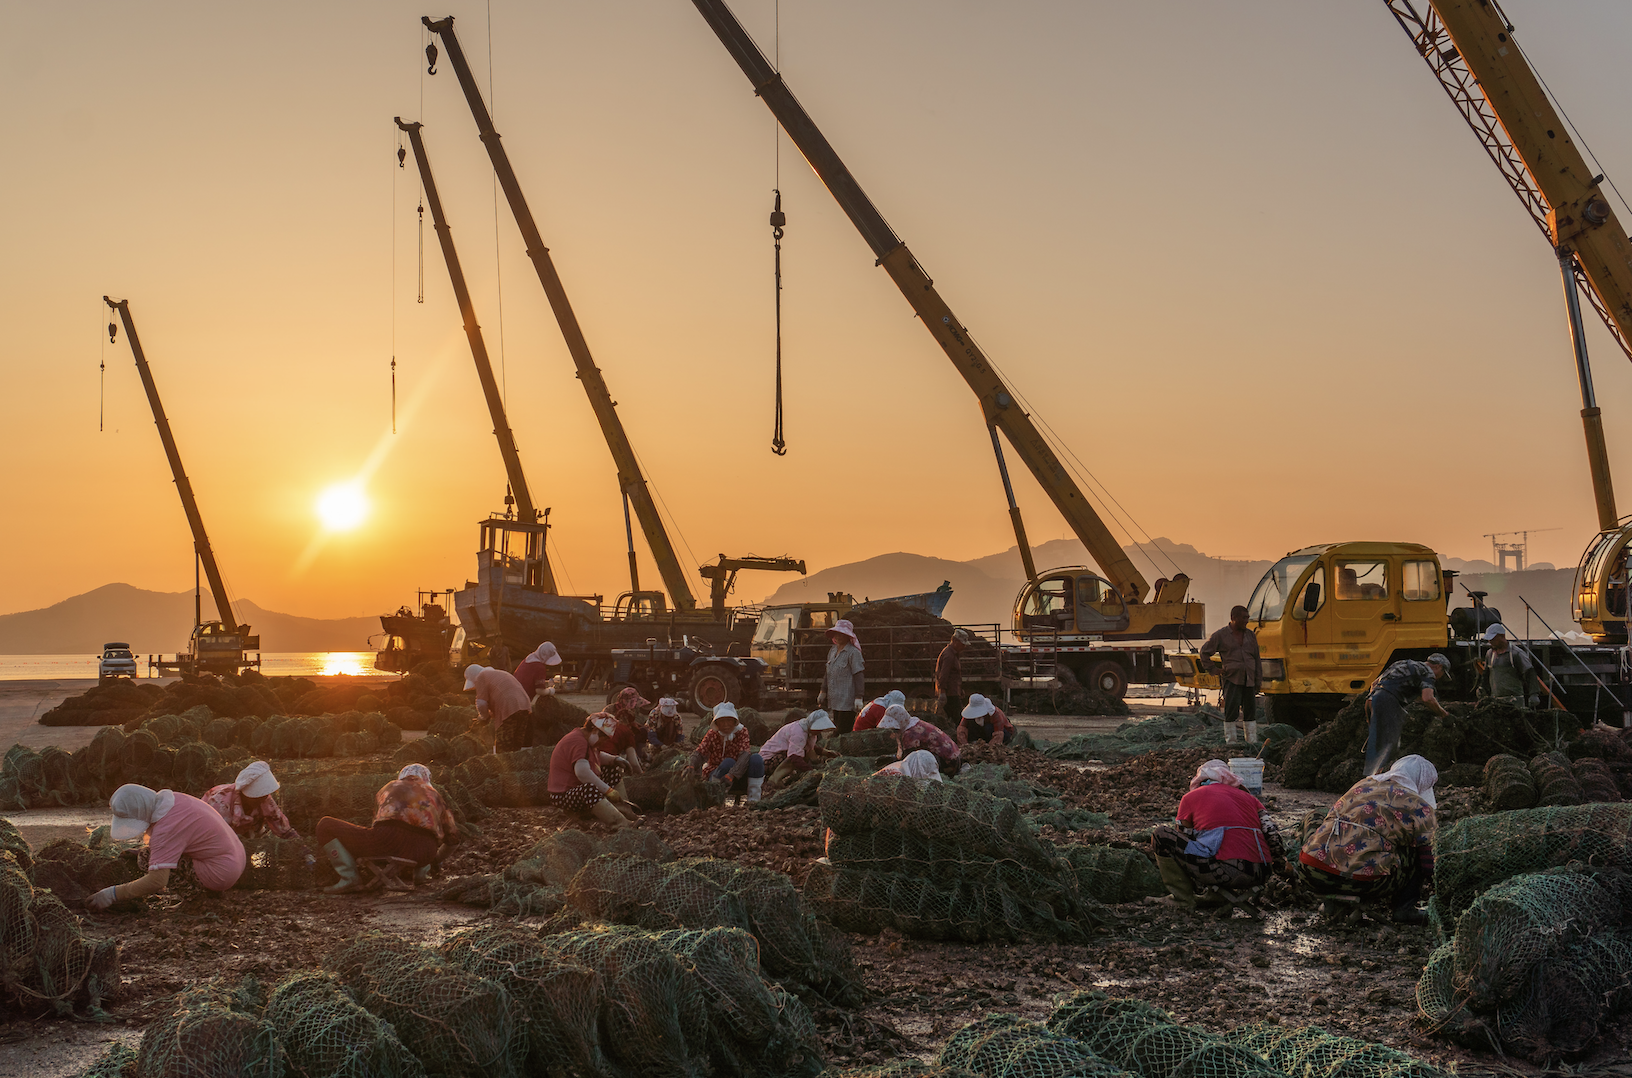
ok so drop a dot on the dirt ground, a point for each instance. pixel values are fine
(1288, 967)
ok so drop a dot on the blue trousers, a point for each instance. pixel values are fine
(756, 768)
(1383, 737)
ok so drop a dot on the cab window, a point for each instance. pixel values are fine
(1317, 582)
(1049, 597)
(1362, 580)
(1419, 581)
(1091, 589)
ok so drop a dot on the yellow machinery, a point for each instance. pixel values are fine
(1330, 618)
(1469, 46)
(1136, 612)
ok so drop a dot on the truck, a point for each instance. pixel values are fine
(1331, 618)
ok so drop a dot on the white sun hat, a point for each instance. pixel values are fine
(978, 707)
(844, 628)
(545, 653)
(256, 780)
(470, 674)
(725, 710)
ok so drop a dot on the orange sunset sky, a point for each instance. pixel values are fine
(1244, 257)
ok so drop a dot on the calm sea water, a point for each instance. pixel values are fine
(273, 663)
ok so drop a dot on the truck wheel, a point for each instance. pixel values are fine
(1109, 678)
(712, 685)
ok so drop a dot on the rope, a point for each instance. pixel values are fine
(402, 162)
(779, 444)
(498, 265)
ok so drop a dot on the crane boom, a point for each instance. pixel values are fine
(184, 486)
(996, 401)
(630, 477)
(525, 509)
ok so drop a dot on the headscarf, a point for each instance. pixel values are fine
(545, 653)
(415, 771)
(668, 706)
(921, 765)
(136, 808)
(470, 675)
(815, 721)
(628, 705)
(897, 717)
(603, 722)
(1215, 771)
(1415, 774)
(256, 780)
(894, 696)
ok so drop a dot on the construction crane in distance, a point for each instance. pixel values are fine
(1062, 603)
(218, 645)
(1519, 551)
(1469, 46)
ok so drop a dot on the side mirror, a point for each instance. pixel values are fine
(1311, 598)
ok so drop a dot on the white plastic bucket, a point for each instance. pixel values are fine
(1250, 771)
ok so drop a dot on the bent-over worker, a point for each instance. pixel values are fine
(177, 826)
(867, 718)
(844, 685)
(1237, 649)
(666, 727)
(502, 701)
(1402, 683)
(913, 733)
(247, 805)
(789, 751)
(949, 675)
(919, 764)
(582, 776)
(1377, 842)
(1512, 671)
(724, 755)
(984, 721)
(536, 673)
(412, 826)
(1221, 836)
(630, 738)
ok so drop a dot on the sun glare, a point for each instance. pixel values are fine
(342, 507)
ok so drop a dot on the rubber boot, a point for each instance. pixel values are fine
(421, 874)
(1177, 882)
(1252, 732)
(755, 788)
(345, 866)
(1232, 735)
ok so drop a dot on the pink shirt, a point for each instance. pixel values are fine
(530, 673)
(502, 693)
(790, 739)
(196, 830)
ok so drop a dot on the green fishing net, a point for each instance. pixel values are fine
(905, 1068)
(324, 1033)
(46, 959)
(1006, 1046)
(1179, 730)
(802, 791)
(867, 902)
(867, 743)
(975, 822)
(1473, 854)
(535, 885)
(118, 1060)
(1311, 1052)
(210, 1033)
(455, 1021)
(1555, 780)
(1537, 965)
(1112, 874)
(1508, 783)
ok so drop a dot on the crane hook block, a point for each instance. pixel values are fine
(430, 58)
(402, 157)
(778, 219)
(113, 331)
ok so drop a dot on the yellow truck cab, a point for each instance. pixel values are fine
(1331, 618)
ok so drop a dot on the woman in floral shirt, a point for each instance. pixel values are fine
(724, 754)
(1377, 842)
(412, 825)
(247, 805)
(913, 733)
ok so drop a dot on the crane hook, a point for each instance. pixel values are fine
(402, 157)
(430, 58)
(113, 331)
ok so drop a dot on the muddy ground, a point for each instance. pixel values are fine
(1288, 967)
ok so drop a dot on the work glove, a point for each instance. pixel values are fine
(549, 690)
(101, 900)
(857, 706)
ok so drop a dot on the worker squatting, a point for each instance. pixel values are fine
(1373, 846)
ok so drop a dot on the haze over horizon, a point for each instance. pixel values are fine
(1265, 284)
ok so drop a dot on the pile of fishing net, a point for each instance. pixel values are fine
(111, 702)
(1113, 874)
(940, 861)
(1311, 1051)
(794, 946)
(536, 884)
(1177, 730)
(46, 959)
(516, 779)
(1538, 965)
(1007, 1046)
(1332, 756)
(1060, 698)
(1475, 854)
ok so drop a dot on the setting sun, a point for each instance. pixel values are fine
(342, 507)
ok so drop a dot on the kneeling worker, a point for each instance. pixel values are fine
(412, 824)
(177, 826)
(984, 721)
(582, 775)
(1377, 843)
(1221, 837)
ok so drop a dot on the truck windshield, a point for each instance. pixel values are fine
(1269, 597)
(772, 630)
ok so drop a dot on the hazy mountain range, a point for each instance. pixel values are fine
(984, 590)
(155, 621)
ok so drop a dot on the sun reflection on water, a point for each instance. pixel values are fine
(339, 662)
